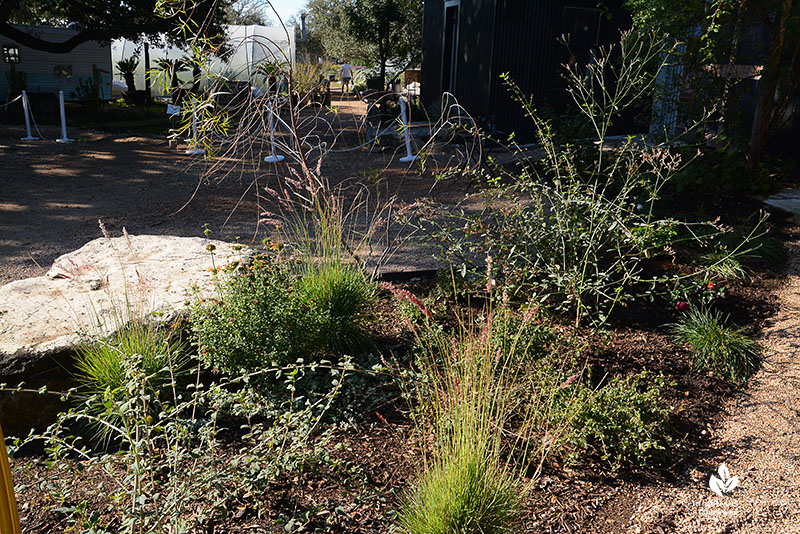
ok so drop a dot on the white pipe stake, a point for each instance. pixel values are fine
(64, 138)
(272, 158)
(194, 151)
(409, 157)
(25, 105)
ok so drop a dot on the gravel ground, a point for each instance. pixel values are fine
(53, 194)
(759, 441)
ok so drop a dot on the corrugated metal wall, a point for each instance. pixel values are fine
(520, 37)
(528, 47)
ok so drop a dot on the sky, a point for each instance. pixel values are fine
(285, 8)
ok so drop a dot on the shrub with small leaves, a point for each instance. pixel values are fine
(254, 322)
(622, 422)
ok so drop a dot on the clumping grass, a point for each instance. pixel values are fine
(466, 491)
(100, 364)
(468, 398)
(340, 298)
(716, 347)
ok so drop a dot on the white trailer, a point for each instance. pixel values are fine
(80, 72)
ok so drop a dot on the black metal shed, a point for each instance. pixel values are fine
(469, 43)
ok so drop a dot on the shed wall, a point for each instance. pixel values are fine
(40, 67)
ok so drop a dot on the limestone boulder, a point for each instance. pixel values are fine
(98, 288)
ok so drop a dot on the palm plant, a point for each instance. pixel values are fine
(127, 67)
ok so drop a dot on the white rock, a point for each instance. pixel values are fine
(92, 289)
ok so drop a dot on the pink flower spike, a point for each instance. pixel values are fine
(568, 382)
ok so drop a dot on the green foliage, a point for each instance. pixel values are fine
(574, 225)
(101, 364)
(340, 299)
(622, 422)
(477, 399)
(267, 314)
(111, 20)
(465, 492)
(716, 347)
(255, 322)
(127, 67)
(173, 472)
(721, 264)
(393, 27)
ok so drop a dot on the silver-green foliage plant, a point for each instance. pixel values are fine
(574, 224)
(716, 347)
(172, 471)
(620, 423)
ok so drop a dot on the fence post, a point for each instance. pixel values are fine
(26, 110)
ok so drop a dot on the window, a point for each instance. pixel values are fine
(62, 71)
(11, 54)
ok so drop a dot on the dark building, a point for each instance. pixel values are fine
(469, 43)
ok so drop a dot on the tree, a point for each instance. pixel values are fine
(328, 34)
(393, 27)
(247, 12)
(104, 20)
(720, 27)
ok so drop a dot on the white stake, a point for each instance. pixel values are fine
(272, 158)
(25, 105)
(403, 116)
(64, 138)
(194, 150)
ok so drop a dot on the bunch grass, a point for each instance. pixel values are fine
(716, 347)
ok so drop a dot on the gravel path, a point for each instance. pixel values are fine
(759, 441)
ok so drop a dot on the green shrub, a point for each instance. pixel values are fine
(269, 315)
(255, 322)
(716, 347)
(339, 298)
(620, 423)
(465, 492)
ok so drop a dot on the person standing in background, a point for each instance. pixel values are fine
(347, 75)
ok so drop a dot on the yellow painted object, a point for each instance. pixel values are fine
(9, 520)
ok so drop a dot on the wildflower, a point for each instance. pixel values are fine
(682, 305)
(570, 380)
(711, 285)
(210, 247)
(402, 294)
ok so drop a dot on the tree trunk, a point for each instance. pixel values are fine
(130, 81)
(766, 117)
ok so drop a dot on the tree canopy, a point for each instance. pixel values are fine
(104, 20)
(366, 31)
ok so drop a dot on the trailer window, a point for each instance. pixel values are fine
(62, 71)
(11, 54)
